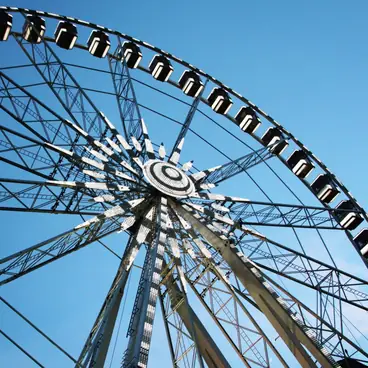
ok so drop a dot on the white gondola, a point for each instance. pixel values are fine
(247, 119)
(190, 83)
(34, 28)
(273, 137)
(300, 164)
(98, 44)
(160, 68)
(325, 189)
(131, 54)
(220, 101)
(361, 240)
(348, 219)
(6, 23)
(66, 35)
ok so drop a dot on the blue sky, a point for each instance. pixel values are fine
(305, 63)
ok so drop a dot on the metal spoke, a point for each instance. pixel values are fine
(100, 170)
(65, 134)
(308, 271)
(141, 322)
(105, 321)
(38, 196)
(65, 87)
(32, 258)
(45, 160)
(111, 150)
(178, 145)
(130, 115)
(197, 244)
(248, 212)
(185, 127)
(96, 228)
(272, 305)
(96, 347)
(28, 110)
(210, 178)
(211, 285)
(184, 328)
(34, 156)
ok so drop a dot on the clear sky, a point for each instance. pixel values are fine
(305, 63)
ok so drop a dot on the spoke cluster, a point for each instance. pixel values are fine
(195, 240)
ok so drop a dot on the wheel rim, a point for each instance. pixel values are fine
(128, 175)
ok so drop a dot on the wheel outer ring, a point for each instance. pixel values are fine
(146, 45)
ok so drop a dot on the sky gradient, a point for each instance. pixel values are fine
(303, 63)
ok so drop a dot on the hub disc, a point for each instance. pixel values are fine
(168, 179)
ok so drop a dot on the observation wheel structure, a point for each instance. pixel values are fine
(248, 265)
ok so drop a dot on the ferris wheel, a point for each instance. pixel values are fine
(235, 249)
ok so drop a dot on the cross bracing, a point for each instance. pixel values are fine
(200, 248)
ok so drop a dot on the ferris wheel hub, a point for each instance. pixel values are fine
(168, 179)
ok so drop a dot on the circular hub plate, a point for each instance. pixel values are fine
(168, 179)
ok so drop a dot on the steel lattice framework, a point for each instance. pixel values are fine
(73, 160)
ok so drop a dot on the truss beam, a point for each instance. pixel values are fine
(44, 197)
(294, 265)
(251, 343)
(25, 108)
(130, 114)
(211, 284)
(185, 127)
(34, 156)
(141, 323)
(64, 86)
(327, 325)
(32, 258)
(310, 272)
(214, 176)
(247, 212)
(96, 346)
(206, 345)
(268, 301)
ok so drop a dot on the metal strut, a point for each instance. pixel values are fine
(96, 347)
(208, 276)
(270, 303)
(188, 120)
(257, 343)
(130, 114)
(206, 345)
(215, 175)
(140, 331)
